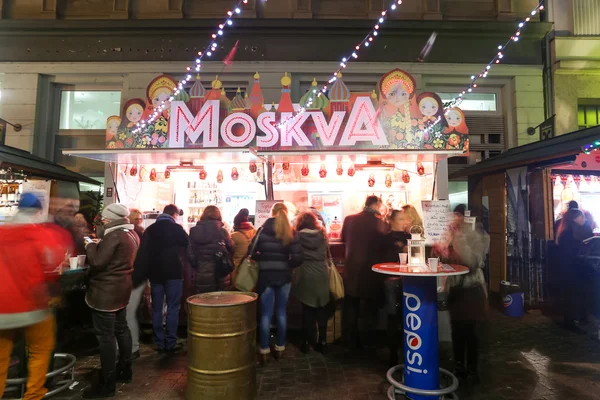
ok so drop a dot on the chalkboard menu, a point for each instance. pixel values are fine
(436, 219)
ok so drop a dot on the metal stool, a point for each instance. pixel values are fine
(61, 385)
(400, 388)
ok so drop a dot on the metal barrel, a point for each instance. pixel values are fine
(222, 346)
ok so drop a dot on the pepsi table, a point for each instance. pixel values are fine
(421, 361)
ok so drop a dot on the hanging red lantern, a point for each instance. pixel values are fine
(285, 166)
(388, 181)
(234, 174)
(339, 170)
(252, 167)
(133, 171)
(371, 180)
(202, 173)
(167, 173)
(153, 174)
(351, 170)
(405, 176)
(220, 176)
(304, 171)
(420, 168)
(323, 171)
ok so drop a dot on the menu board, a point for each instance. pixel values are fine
(41, 188)
(436, 219)
(263, 211)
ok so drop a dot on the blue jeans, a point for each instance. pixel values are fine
(273, 299)
(172, 290)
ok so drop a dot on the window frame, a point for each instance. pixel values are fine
(483, 90)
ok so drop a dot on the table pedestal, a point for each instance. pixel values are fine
(421, 361)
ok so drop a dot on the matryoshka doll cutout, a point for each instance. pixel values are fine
(153, 174)
(220, 176)
(432, 110)
(420, 168)
(405, 176)
(234, 174)
(351, 171)
(371, 180)
(388, 181)
(132, 114)
(252, 167)
(323, 171)
(159, 90)
(167, 173)
(398, 110)
(339, 170)
(304, 170)
(112, 129)
(456, 132)
(133, 171)
(202, 174)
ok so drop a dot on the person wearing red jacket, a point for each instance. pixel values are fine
(30, 254)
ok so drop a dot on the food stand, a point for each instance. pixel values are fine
(328, 152)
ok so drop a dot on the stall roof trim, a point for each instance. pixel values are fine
(557, 147)
(17, 159)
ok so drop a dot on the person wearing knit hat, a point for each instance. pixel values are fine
(110, 285)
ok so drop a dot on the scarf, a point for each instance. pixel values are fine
(244, 226)
(165, 217)
(122, 223)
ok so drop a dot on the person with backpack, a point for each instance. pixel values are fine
(243, 233)
(210, 252)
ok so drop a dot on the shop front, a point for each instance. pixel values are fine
(327, 153)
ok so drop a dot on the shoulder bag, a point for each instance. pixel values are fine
(223, 260)
(247, 272)
(336, 283)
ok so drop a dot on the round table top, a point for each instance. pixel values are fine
(406, 270)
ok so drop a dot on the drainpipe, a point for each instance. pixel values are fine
(547, 77)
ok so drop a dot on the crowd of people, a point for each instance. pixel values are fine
(292, 259)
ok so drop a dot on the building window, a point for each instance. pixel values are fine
(588, 116)
(88, 109)
(474, 101)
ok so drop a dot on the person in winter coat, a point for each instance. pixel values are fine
(29, 255)
(109, 288)
(243, 233)
(137, 220)
(572, 231)
(208, 238)
(163, 249)
(311, 281)
(467, 297)
(363, 235)
(277, 251)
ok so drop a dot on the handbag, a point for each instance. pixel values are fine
(336, 283)
(223, 261)
(247, 272)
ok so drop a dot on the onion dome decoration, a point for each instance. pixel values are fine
(238, 103)
(311, 99)
(285, 103)
(247, 101)
(215, 92)
(339, 92)
(182, 96)
(225, 102)
(256, 97)
(197, 89)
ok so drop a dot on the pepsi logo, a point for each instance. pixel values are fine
(414, 342)
(507, 300)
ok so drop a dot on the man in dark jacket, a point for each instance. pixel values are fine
(111, 264)
(163, 245)
(363, 235)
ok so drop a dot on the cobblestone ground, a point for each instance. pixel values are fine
(531, 358)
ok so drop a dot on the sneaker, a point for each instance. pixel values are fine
(175, 349)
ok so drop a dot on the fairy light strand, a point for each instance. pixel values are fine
(484, 73)
(208, 52)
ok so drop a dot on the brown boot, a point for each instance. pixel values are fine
(262, 359)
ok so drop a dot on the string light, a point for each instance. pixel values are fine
(209, 50)
(484, 73)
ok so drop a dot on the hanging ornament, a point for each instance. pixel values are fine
(339, 170)
(167, 173)
(304, 171)
(285, 166)
(351, 170)
(323, 171)
(133, 171)
(153, 174)
(220, 176)
(405, 176)
(234, 174)
(371, 180)
(202, 173)
(388, 181)
(420, 168)
(253, 167)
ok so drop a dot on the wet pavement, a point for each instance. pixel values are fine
(530, 358)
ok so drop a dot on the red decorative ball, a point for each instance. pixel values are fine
(167, 173)
(323, 171)
(253, 167)
(351, 171)
(304, 171)
(202, 173)
(339, 170)
(285, 166)
(420, 168)
(133, 171)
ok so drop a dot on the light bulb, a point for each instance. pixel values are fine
(354, 55)
(375, 33)
(344, 59)
(220, 32)
(209, 53)
(381, 20)
(470, 90)
(237, 10)
(472, 77)
(367, 44)
(488, 67)
(229, 22)
(521, 24)
(533, 12)
(500, 47)
(393, 7)
(516, 39)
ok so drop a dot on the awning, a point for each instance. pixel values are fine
(18, 160)
(543, 152)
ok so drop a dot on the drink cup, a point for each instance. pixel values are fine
(403, 258)
(73, 261)
(81, 261)
(433, 264)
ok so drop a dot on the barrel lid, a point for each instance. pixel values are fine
(222, 299)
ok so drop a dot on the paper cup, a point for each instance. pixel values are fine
(81, 261)
(73, 262)
(433, 264)
(403, 258)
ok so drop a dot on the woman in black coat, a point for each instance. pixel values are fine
(277, 251)
(208, 238)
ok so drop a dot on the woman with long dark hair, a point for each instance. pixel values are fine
(277, 251)
(311, 281)
(208, 238)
